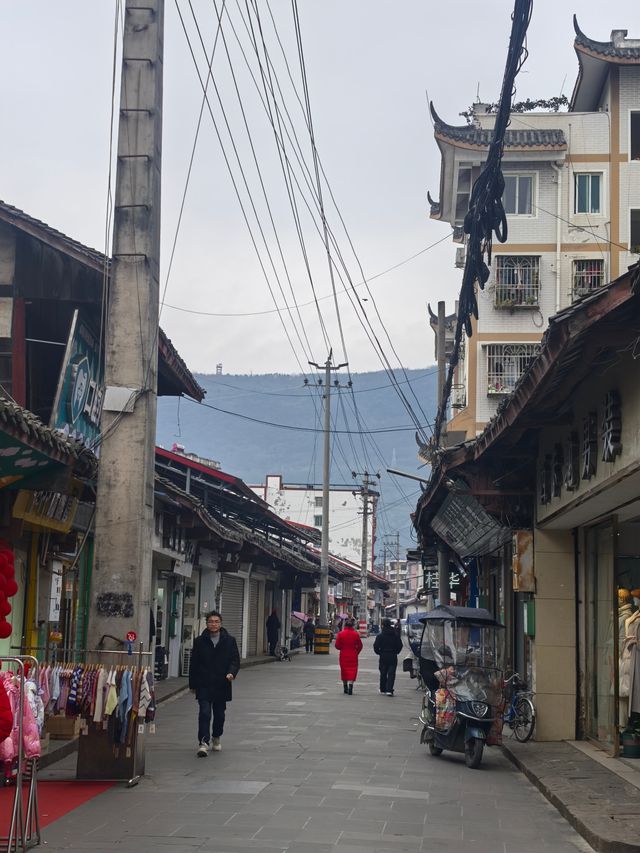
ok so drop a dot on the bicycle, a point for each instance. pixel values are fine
(520, 714)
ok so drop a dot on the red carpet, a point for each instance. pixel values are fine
(55, 799)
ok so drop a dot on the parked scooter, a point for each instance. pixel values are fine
(461, 664)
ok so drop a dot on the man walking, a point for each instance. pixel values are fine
(387, 646)
(215, 662)
(309, 634)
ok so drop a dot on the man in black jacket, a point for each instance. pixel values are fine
(387, 645)
(215, 662)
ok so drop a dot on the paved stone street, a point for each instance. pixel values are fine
(306, 769)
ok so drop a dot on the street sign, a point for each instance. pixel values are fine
(131, 636)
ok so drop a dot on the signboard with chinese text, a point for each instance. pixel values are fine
(77, 406)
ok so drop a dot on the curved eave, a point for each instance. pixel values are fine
(472, 146)
(594, 57)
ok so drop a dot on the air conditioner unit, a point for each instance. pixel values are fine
(460, 258)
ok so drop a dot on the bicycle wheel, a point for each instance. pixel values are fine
(524, 720)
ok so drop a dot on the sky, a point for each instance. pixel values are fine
(370, 67)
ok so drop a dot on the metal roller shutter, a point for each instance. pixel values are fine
(232, 601)
(254, 617)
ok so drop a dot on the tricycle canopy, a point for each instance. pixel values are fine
(462, 637)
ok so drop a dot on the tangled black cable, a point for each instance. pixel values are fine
(486, 214)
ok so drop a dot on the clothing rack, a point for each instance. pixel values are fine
(24, 826)
(97, 758)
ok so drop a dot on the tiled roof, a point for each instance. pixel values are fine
(24, 425)
(92, 257)
(628, 53)
(476, 137)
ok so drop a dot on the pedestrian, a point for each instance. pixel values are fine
(309, 634)
(387, 645)
(215, 662)
(273, 628)
(349, 645)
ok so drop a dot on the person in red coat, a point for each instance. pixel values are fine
(6, 717)
(349, 645)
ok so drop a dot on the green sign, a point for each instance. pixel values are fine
(78, 403)
(19, 461)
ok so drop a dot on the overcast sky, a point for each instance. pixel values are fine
(369, 65)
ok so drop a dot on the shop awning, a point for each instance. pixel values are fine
(467, 528)
(32, 454)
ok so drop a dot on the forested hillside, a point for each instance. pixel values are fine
(255, 440)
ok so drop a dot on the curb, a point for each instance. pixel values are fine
(597, 841)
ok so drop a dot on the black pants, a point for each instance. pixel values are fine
(273, 642)
(387, 666)
(308, 643)
(207, 710)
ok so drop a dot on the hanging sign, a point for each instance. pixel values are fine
(78, 402)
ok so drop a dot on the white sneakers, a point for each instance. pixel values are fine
(203, 749)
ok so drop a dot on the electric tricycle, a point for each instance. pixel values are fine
(462, 667)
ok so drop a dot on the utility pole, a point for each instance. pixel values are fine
(322, 635)
(397, 575)
(442, 350)
(121, 581)
(364, 491)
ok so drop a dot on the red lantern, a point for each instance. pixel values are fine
(5, 609)
(5, 630)
(12, 588)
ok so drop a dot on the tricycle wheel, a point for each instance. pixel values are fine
(473, 749)
(434, 750)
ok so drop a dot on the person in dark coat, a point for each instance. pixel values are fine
(273, 628)
(215, 662)
(309, 634)
(387, 645)
(349, 645)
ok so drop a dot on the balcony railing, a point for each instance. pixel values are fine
(587, 277)
(517, 281)
(458, 397)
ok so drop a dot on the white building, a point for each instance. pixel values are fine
(302, 504)
(572, 198)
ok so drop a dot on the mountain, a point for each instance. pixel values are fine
(242, 425)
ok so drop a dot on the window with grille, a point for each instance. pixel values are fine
(318, 501)
(505, 365)
(588, 275)
(587, 193)
(634, 222)
(518, 195)
(517, 281)
(317, 521)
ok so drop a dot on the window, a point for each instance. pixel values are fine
(588, 275)
(634, 241)
(518, 194)
(517, 280)
(505, 365)
(587, 193)
(318, 501)
(634, 120)
(317, 521)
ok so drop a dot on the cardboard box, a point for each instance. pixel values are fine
(61, 727)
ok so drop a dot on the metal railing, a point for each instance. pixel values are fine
(517, 281)
(587, 277)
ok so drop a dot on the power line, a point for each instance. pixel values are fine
(295, 427)
(311, 301)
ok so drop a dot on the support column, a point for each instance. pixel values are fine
(444, 595)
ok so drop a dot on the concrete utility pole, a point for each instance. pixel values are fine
(444, 594)
(397, 575)
(121, 581)
(442, 349)
(365, 547)
(321, 644)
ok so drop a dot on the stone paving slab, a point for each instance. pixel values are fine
(320, 790)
